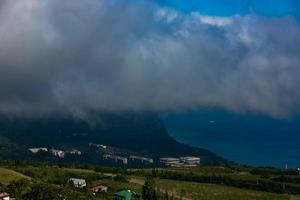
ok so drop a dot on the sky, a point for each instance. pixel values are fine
(76, 57)
(233, 7)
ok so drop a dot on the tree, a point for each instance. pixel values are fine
(148, 191)
(121, 178)
(166, 195)
(17, 188)
(1, 187)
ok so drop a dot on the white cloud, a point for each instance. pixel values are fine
(213, 20)
(75, 56)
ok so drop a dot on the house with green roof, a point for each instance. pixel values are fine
(124, 195)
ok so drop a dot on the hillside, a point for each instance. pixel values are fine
(143, 133)
(8, 175)
(51, 179)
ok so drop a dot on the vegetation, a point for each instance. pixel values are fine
(7, 175)
(233, 178)
(25, 180)
(149, 190)
(215, 192)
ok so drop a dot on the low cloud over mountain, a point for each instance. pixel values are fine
(77, 56)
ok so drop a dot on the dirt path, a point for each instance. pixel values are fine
(109, 175)
(293, 197)
(170, 193)
(137, 181)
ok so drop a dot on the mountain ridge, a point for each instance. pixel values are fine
(143, 133)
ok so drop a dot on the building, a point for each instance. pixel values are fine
(75, 151)
(36, 150)
(142, 159)
(124, 195)
(102, 146)
(98, 145)
(116, 158)
(99, 189)
(57, 153)
(171, 162)
(190, 161)
(78, 183)
(4, 196)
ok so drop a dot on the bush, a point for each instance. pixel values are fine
(121, 178)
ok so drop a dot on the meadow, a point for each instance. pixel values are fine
(202, 191)
(8, 175)
(185, 190)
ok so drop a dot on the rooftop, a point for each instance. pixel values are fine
(125, 193)
(3, 194)
(77, 180)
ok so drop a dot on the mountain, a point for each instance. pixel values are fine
(143, 133)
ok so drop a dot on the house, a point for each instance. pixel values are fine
(124, 195)
(78, 183)
(75, 151)
(36, 150)
(99, 189)
(4, 196)
(57, 153)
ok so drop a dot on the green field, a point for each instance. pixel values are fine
(7, 175)
(58, 176)
(235, 174)
(202, 191)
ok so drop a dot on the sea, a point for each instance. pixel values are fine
(249, 139)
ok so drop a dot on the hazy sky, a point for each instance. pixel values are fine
(77, 56)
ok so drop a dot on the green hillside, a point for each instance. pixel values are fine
(53, 179)
(216, 192)
(8, 175)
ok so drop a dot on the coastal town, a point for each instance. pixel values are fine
(117, 158)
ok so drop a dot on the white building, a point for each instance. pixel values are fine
(36, 150)
(4, 196)
(142, 159)
(190, 161)
(102, 146)
(116, 158)
(58, 153)
(78, 183)
(169, 161)
(75, 152)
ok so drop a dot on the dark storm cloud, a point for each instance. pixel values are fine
(77, 56)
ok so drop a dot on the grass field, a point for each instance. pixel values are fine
(201, 191)
(7, 175)
(187, 190)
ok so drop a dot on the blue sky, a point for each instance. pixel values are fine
(231, 7)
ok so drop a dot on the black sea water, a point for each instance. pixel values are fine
(245, 138)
